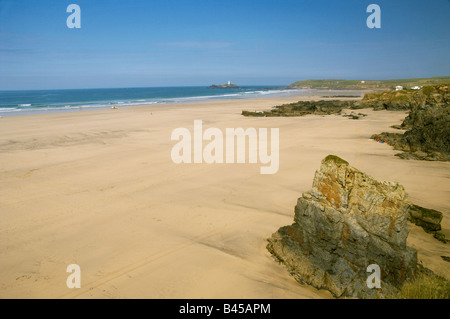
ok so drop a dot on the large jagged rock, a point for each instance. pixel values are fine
(347, 222)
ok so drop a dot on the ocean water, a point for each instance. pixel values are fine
(42, 101)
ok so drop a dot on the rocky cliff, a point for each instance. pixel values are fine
(347, 222)
(427, 126)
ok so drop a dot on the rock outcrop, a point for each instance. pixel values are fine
(223, 86)
(427, 126)
(403, 100)
(347, 222)
(302, 108)
(428, 219)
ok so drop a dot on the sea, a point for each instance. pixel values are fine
(50, 101)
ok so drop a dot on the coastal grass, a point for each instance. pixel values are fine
(405, 95)
(369, 84)
(424, 286)
(391, 96)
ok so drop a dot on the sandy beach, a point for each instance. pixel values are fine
(99, 189)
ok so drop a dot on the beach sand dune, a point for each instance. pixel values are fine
(99, 189)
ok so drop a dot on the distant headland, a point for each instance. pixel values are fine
(369, 84)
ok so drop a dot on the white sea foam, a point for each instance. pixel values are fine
(27, 108)
(8, 109)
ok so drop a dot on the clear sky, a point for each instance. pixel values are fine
(137, 43)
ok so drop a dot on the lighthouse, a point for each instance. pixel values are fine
(229, 82)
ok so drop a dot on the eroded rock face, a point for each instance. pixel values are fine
(427, 126)
(347, 222)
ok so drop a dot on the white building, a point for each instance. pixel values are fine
(398, 88)
(416, 87)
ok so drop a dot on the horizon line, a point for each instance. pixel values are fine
(240, 86)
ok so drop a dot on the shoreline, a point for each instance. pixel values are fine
(99, 189)
(186, 100)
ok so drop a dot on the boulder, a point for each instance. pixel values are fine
(428, 219)
(347, 222)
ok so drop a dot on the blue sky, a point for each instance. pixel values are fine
(138, 43)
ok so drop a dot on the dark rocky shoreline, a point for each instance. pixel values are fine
(427, 126)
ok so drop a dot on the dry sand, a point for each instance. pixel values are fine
(99, 189)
